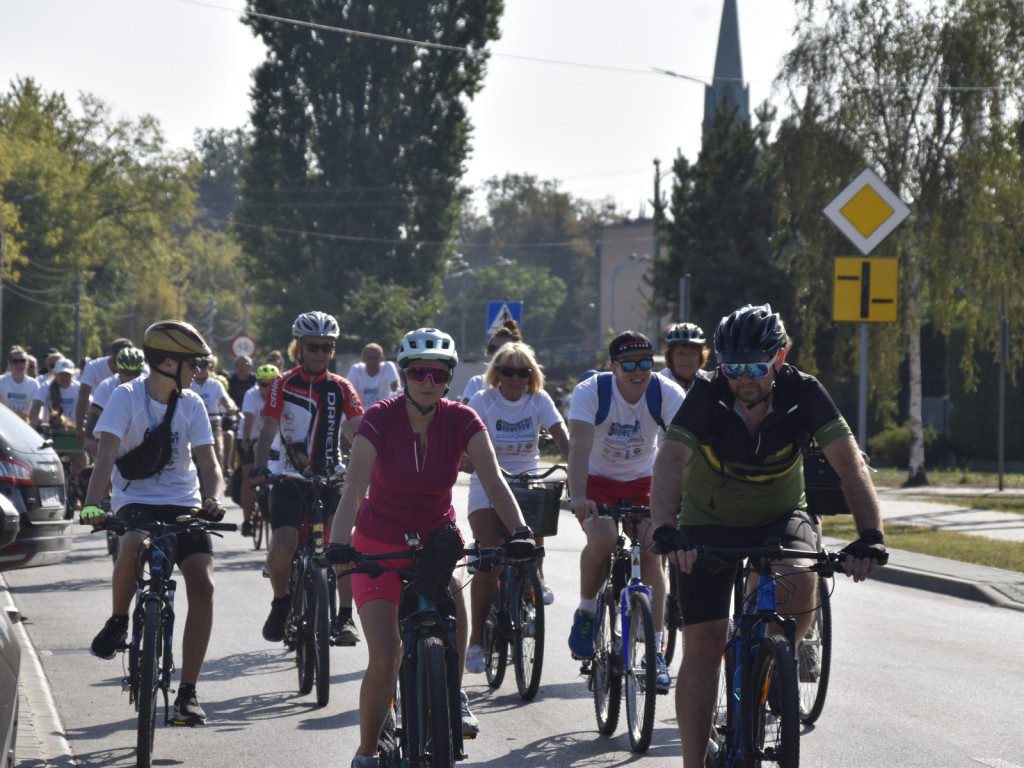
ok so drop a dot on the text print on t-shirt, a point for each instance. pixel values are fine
(623, 441)
(514, 438)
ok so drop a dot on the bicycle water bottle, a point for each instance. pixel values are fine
(318, 537)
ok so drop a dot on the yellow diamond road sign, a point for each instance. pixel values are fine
(867, 211)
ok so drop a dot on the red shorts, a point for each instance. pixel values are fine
(603, 490)
(387, 586)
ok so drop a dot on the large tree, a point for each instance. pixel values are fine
(359, 139)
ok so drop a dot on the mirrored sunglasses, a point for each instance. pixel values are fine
(327, 346)
(631, 365)
(436, 375)
(509, 372)
(753, 370)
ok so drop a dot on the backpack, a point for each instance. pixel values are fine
(604, 398)
(154, 452)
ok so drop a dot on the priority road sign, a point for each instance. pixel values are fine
(500, 312)
(867, 211)
(866, 290)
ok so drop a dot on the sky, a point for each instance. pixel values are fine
(570, 92)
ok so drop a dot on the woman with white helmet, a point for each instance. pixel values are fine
(406, 452)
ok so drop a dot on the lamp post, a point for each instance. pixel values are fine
(463, 271)
(634, 258)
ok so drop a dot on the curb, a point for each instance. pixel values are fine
(945, 585)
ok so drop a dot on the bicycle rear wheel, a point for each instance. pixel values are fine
(641, 692)
(435, 726)
(775, 702)
(814, 658)
(528, 635)
(604, 667)
(322, 637)
(149, 678)
(495, 644)
(257, 529)
(673, 619)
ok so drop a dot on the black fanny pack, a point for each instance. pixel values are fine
(154, 452)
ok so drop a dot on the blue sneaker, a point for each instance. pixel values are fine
(581, 638)
(663, 680)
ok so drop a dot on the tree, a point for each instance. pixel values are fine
(923, 91)
(358, 145)
(221, 154)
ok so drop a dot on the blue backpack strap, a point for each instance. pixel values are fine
(604, 396)
(653, 395)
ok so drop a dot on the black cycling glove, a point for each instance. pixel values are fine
(521, 545)
(668, 538)
(871, 544)
(341, 554)
(259, 474)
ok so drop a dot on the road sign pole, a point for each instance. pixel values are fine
(862, 407)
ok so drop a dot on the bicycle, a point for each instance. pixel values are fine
(260, 518)
(65, 442)
(516, 616)
(758, 712)
(314, 592)
(624, 643)
(424, 726)
(150, 653)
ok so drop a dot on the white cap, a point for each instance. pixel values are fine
(64, 366)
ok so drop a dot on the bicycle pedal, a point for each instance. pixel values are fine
(468, 736)
(179, 723)
(344, 643)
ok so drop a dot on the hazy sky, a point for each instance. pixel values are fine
(569, 93)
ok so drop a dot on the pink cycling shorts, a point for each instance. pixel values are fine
(387, 586)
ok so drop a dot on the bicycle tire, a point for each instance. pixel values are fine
(640, 678)
(257, 530)
(814, 683)
(322, 638)
(495, 644)
(605, 680)
(774, 700)
(302, 619)
(435, 726)
(113, 545)
(673, 624)
(149, 678)
(720, 722)
(528, 635)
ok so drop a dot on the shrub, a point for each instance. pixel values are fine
(891, 447)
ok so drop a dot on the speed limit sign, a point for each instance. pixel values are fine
(243, 345)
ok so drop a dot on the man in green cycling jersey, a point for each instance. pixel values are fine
(738, 436)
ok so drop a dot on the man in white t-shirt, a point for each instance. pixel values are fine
(374, 378)
(17, 390)
(612, 461)
(92, 374)
(215, 396)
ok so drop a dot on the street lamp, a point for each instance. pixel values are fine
(634, 258)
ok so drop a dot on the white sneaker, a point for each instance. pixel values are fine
(470, 725)
(475, 659)
(549, 596)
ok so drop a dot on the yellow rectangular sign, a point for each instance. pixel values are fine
(866, 290)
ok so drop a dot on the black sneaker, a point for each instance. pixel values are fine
(111, 638)
(247, 528)
(186, 707)
(273, 627)
(344, 632)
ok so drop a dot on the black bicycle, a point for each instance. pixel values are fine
(424, 727)
(150, 656)
(313, 591)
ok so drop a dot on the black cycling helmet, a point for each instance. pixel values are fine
(685, 333)
(749, 333)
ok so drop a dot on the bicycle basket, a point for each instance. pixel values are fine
(540, 502)
(64, 439)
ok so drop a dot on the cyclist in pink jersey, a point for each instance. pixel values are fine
(407, 451)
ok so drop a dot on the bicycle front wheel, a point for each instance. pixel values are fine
(528, 636)
(495, 644)
(257, 529)
(322, 637)
(303, 607)
(775, 705)
(641, 693)
(149, 678)
(604, 667)
(435, 726)
(814, 658)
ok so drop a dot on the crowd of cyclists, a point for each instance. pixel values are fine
(714, 452)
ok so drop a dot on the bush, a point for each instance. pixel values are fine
(891, 447)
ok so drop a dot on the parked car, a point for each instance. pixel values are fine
(32, 480)
(10, 666)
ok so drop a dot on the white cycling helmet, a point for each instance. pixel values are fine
(427, 344)
(315, 324)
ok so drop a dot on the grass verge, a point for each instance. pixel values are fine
(963, 547)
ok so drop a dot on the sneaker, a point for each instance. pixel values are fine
(186, 707)
(581, 638)
(365, 761)
(809, 663)
(273, 627)
(247, 528)
(663, 680)
(470, 725)
(344, 632)
(549, 596)
(111, 638)
(475, 659)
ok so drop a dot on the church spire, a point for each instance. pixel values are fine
(728, 84)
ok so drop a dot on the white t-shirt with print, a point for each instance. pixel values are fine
(18, 396)
(373, 389)
(94, 372)
(252, 407)
(68, 399)
(211, 392)
(625, 443)
(129, 414)
(514, 426)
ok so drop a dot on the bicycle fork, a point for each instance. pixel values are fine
(626, 610)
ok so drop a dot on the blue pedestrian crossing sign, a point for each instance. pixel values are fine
(500, 312)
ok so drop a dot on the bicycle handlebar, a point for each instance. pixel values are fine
(334, 478)
(370, 564)
(827, 562)
(532, 474)
(622, 511)
(183, 524)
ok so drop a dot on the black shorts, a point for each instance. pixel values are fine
(705, 594)
(167, 513)
(290, 498)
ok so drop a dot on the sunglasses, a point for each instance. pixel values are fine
(18, 361)
(200, 365)
(753, 370)
(327, 346)
(631, 365)
(436, 375)
(509, 372)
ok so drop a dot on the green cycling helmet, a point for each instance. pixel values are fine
(267, 372)
(130, 360)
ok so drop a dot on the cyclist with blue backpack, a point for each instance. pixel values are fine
(614, 420)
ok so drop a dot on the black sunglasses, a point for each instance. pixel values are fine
(508, 371)
(200, 365)
(18, 360)
(325, 347)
